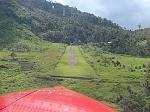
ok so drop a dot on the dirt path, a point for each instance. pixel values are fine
(72, 64)
(72, 60)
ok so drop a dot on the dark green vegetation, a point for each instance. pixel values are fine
(50, 21)
(57, 23)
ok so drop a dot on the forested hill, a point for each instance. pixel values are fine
(53, 21)
(58, 23)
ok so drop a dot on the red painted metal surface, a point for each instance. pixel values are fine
(57, 99)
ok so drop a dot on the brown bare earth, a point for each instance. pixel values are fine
(72, 60)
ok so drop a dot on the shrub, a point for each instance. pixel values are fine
(144, 66)
(140, 67)
(118, 63)
(138, 102)
(124, 66)
(136, 67)
(13, 55)
(98, 60)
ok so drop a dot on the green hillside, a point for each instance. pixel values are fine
(58, 23)
(47, 20)
(45, 44)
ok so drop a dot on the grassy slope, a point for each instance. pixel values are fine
(122, 75)
(13, 78)
(107, 71)
(115, 85)
(82, 69)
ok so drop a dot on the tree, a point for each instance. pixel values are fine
(139, 26)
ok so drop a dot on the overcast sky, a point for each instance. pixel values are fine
(127, 13)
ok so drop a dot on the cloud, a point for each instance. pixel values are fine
(127, 13)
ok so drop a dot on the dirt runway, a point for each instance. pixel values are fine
(72, 60)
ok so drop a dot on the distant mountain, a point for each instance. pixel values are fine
(58, 23)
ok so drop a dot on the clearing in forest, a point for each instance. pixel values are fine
(73, 64)
(72, 60)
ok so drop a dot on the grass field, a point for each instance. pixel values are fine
(109, 83)
(129, 69)
(25, 70)
(113, 81)
(81, 69)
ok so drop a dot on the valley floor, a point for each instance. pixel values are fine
(82, 69)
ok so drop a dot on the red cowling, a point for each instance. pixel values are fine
(57, 99)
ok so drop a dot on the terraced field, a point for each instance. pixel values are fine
(29, 69)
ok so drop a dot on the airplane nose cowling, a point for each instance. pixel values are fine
(56, 99)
